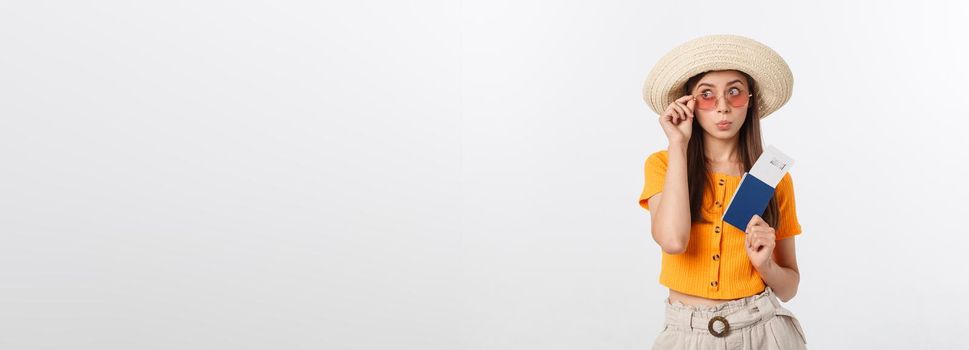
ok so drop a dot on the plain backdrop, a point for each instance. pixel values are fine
(448, 174)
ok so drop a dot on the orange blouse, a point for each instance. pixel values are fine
(715, 264)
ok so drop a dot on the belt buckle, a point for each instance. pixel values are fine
(726, 326)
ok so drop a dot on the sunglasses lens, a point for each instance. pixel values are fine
(738, 100)
(706, 102)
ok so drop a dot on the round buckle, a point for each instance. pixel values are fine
(726, 326)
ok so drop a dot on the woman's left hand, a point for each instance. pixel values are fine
(760, 242)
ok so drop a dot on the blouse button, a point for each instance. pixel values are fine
(718, 204)
(714, 283)
(717, 230)
(716, 257)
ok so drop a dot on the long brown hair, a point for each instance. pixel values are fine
(750, 146)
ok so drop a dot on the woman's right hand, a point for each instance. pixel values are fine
(677, 120)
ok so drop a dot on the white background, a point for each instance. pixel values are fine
(448, 175)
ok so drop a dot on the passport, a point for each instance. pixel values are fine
(757, 187)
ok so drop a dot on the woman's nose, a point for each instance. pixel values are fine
(722, 105)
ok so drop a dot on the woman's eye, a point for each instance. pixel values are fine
(735, 91)
(706, 94)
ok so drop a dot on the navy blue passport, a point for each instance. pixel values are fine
(751, 198)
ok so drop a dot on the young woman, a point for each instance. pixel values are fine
(724, 283)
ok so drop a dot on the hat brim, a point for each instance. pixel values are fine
(773, 77)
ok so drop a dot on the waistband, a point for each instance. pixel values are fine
(720, 320)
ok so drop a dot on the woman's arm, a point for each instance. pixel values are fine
(670, 215)
(781, 273)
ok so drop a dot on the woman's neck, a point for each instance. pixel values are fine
(721, 151)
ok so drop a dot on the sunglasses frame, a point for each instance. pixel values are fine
(717, 102)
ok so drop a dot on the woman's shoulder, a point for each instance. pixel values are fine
(662, 154)
(786, 181)
(657, 159)
(786, 186)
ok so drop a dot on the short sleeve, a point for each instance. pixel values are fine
(787, 225)
(654, 175)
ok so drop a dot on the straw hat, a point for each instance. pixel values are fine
(774, 80)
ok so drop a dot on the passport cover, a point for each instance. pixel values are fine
(751, 198)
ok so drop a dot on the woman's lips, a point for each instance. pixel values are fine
(724, 125)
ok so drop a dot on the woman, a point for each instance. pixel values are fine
(724, 283)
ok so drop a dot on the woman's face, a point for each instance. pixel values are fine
(723, 120)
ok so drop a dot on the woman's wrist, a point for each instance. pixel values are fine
(677, 147)
(767, 267)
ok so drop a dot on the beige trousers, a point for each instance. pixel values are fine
(755, 322)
